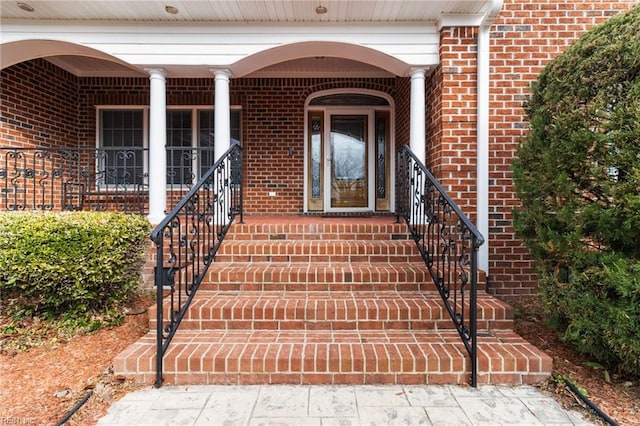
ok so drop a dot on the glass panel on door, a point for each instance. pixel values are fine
(315, 184)
(348, 150)
(382, 160)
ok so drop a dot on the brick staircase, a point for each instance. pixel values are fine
(333, 301)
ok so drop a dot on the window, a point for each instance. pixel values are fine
(179, 153)
(190, 142)
(205, 139)
(121, 157)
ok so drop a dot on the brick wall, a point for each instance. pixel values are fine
(524, 38)
(452, 116)
(32, 111)
(403, 111)
(94, 92)
(273, 124)
(34, 115)
(433, 120)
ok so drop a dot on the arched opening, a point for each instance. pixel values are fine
(61, 52)
(349, 152)
(295, 51)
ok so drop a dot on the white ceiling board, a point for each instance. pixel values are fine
(243, 10)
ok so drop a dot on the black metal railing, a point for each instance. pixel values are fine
(187, 241)
(448, 243)
(78, 178)
(186, 165)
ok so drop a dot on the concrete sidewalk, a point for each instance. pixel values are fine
(339, 405)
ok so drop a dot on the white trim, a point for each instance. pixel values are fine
(200, 46)
(330, 92)
(482, 161)
(483, 111)
(494, 10)
(145, 115)
(460, 20)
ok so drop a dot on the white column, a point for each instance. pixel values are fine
(417, 119)
(222, 115)
(157, 146)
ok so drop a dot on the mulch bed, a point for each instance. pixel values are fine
(40, 385)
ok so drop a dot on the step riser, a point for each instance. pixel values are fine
(375, 276)
(411, 277)
(318, 232)
(320, 252)
(306, 258)
(213, 285)
(426, 359)
(317, 236)
(433, 325)
(288, 312)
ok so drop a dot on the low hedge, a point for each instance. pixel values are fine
(78, 266)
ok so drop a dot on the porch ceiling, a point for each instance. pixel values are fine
(244, 10)
(203, 34)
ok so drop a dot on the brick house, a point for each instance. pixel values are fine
(319, 94)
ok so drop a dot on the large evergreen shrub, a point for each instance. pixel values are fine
(77, 267)
(578, 177)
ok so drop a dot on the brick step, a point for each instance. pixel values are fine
(315, 228)
(333, 357)
(274, 276)
(332, 311)
(325, 251)
(328, 300)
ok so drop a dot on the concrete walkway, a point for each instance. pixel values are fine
(339, 405)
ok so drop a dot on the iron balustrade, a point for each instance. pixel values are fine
(77, 178)
(187, 241)
(448, 243)
(185, 165)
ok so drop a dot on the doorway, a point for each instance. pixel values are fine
(348, 154)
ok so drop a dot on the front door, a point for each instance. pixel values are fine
(348, 160)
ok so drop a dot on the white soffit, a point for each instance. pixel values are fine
(243, 10)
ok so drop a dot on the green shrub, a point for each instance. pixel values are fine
(577, 174)
(70, 266)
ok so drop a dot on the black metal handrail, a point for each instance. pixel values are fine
(74, 178)
(186, 165)
(187, 241)
(448, 243)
